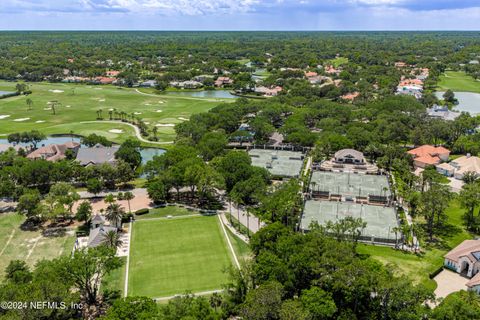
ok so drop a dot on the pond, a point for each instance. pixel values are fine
(467, 101)
(217, 94)
(147, 153)
(2, 93)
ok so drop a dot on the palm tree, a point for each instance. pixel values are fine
(29, 103)
(128, 196)
(114, 214)
(53, 104)
(110, 198)
(110, 113)
(112, 239)
(155, 130)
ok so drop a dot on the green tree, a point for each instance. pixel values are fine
(112, 239)
(132, 308)
(84, 211)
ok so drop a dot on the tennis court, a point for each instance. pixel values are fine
(380, 220)
(350, 184)
(278, 162)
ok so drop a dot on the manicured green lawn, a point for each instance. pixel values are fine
(458, 81)
(337, 62)
(80, 102)
(167, 211)
(418, 267)
(169, 257)
(116, 279)
(242, 250)
(30, 246)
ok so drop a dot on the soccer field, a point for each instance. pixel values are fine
(30, 246)
(80, 103)
(172, 256)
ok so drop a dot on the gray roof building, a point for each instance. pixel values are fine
(97, 155)
(97, 235)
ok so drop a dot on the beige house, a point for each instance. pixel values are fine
(458, 167)
(465, 260)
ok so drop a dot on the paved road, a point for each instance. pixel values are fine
(254, 224)
(135, 128)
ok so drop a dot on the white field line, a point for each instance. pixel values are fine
(8, 242)
(203, 293)
(33, 248)
(125, 288)
(229, 243)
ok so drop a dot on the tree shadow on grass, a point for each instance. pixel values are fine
(54, 232)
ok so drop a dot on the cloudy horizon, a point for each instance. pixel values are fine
(240, 15)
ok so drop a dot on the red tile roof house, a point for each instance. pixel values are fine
(112, 73)
(310, 74)
(350, 96)
(54, 152)
(428, 155)
(221, 81)
(465, 260)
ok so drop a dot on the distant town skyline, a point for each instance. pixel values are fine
(240, 15)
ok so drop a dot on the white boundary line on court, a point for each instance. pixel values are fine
(125, 288)
(229, 243)
(203, 293)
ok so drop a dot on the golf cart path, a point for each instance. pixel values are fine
(137, 131)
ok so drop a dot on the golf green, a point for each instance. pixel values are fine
(173, 256)
(79, 103)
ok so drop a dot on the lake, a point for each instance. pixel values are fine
(147, 153)
(467, 101)
(216, 94)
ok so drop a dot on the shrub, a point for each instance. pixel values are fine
(142, 211)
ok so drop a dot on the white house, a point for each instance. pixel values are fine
(465, 260)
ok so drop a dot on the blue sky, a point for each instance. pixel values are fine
(239, 14)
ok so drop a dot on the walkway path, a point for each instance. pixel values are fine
(137, 131)
(203, 293)
(252, 222)
(232, 229)
(8, 242)
(125, 289)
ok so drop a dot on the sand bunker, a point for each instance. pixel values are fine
(56, 91)
(3, 116)
(159, 111)
(98, 88)
(115, 131)
(21, 119)
(101, 100)
(111, 109)
(47, 108)
(147, 104)
(68, 106)
(161, 101)
(137, 113)
(40, 121)
(182, 118)
(165, 125)
(147, 123)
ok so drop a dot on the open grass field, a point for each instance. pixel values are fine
(458, 81)
(418, 267)
(169, 257)
(30, 246)
(337, 62)
(80, 102)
